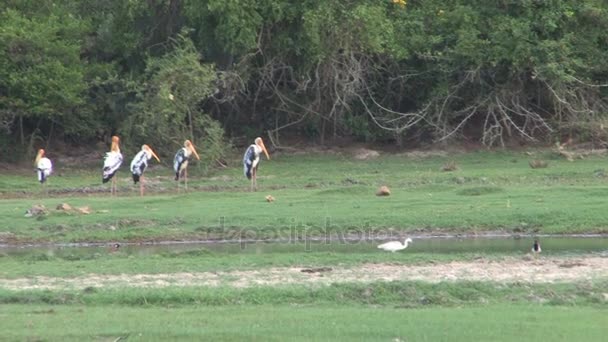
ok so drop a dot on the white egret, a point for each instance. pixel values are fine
(394, 246)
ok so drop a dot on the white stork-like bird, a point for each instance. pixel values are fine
(111, 164)
(251, 161)
(180, 162)
(44, 167)
(140, 164)
(394, 246)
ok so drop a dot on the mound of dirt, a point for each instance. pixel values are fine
(65, 207)
(36, 210)
(426, 154)
(364, 154)
(383, 191)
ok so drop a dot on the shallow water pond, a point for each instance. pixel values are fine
(495, 245)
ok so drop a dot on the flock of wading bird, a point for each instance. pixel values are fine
(113, 160)
(139, 164)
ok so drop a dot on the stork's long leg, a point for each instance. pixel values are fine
(186, 178)
(255, 179)
(141, 185)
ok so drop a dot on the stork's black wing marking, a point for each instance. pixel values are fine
(180, 158)
(111, 164)
(138, 165)
(248, 159)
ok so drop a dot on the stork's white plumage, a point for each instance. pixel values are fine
(251, 160)
(394, 246)
(180, 162)
(139, 164)
(112, 163)
(44, 167)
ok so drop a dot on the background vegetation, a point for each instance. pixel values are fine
(162, 70)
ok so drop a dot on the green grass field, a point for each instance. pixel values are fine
(378, 311)
(317, 195)
(297, 323)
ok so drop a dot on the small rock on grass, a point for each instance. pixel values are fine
(36, 210)
(68, 208)
(64, 207)
(84, 210)
(383, 191)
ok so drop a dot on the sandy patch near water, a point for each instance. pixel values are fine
(541, 270)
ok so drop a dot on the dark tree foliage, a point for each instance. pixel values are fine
(414, 71)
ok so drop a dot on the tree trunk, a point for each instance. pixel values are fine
(22, 136)
(48, 140)
(190, 123)
(322, 135)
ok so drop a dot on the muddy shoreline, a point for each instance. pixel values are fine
(526, 269)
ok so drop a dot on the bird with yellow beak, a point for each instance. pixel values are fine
(111, 164)
(251, 161)
(44, 167)
(140, 164)
(180, 162)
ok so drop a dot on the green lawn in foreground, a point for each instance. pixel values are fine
(302, 323)
(490, 191)
(403, 294)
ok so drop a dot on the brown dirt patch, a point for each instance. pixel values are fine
(365, 153)
(529, 270)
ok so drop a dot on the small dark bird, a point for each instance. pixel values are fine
(114, 247)
(536, 247)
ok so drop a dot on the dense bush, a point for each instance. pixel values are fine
(426, 71)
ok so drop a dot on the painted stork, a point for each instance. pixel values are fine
(251, 160)
(44, 167)
(111, 164)
(139, 165)
(394, 246)
(180, 162)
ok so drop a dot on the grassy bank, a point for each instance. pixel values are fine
(392, 294)
(70, 262)
(319, 194)
(297, 323)
(69, 265)
(380, 311)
